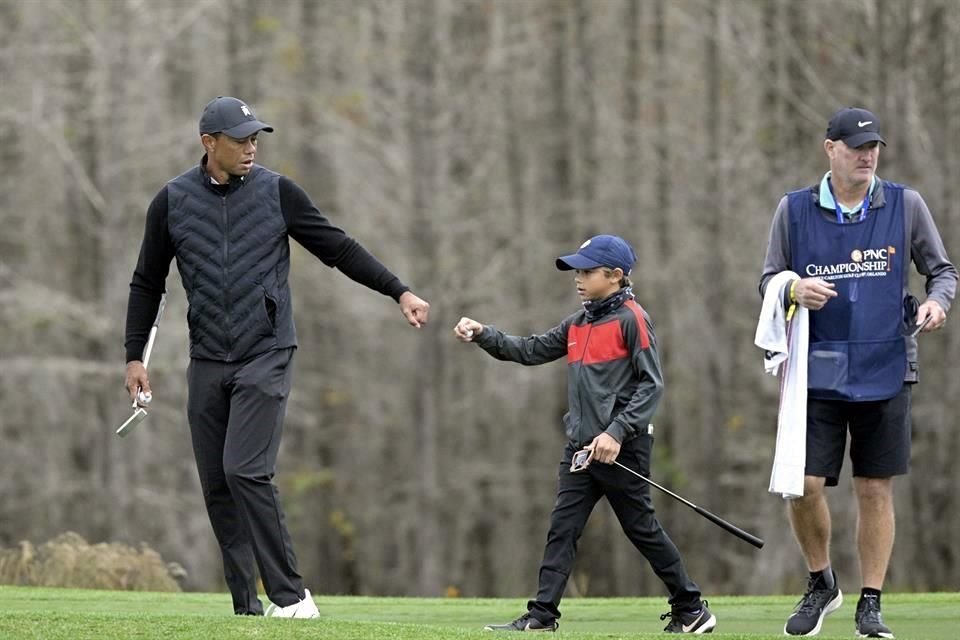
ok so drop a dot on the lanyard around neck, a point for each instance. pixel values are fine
(836, 204)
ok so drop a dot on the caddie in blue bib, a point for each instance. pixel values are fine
(857, 347)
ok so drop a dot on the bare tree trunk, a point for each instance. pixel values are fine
(426, 156)
(466, 143)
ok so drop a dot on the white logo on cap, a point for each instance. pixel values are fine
(585, 244)
(246, 111)
(863, 124)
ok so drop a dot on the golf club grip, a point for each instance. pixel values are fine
(148, 349)
(735, 530)
(163, 304)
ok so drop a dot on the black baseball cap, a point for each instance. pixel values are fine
(854, 127)
(232, 117)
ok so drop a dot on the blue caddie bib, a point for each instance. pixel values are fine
(857, 347)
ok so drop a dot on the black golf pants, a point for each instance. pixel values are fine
(236, 410)
(577, 493)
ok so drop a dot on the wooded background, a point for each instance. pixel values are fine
(466, 143)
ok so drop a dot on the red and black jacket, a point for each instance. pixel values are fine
(613, 373)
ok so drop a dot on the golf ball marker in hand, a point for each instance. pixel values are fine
(466, 329)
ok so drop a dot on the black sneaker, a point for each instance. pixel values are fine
(686, 621)
(814, 606)
(526, 622)
(869, 622)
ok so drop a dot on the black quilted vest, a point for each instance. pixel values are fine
(234, 259)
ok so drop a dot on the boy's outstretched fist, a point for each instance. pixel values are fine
(467, 329)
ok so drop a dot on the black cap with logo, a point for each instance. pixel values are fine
(232, 117)
(854, 127)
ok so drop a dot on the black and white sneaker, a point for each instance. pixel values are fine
(526, 622)
(816, 604)
(869, 621)
(686, 621)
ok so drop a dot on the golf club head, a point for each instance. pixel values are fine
(580, 461)
(139, 415)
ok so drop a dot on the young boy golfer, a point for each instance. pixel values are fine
(614, 384)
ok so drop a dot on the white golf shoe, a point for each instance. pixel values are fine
(306, 608)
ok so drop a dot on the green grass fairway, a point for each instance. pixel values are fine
(74, 614)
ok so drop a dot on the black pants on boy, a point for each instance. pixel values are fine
(577, 493)
(236, 410)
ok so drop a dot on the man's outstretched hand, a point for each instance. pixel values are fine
(414, 309)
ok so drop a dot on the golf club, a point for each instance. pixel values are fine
(140, 413)
(715, 519)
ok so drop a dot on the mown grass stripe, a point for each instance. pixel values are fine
(77, 614)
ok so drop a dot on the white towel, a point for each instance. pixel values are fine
(787, 342)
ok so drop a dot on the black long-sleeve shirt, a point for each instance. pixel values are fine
(305, 224)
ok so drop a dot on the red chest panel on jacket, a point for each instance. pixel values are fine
(591, 344)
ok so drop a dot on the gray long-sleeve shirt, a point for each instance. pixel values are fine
(926, 252)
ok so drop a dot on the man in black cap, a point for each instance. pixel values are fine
(847, 241)
(227, 221)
